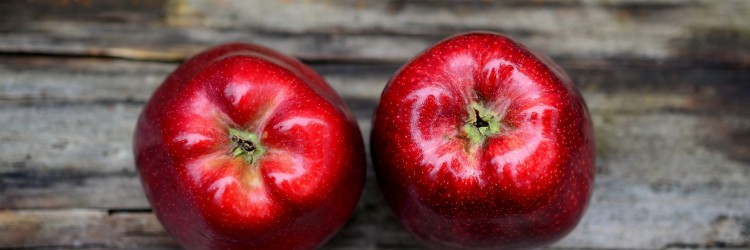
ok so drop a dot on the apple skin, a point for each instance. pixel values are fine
(478, 143)
(242, 147)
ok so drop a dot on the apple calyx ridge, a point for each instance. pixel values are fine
(245, 145)
(481, 123)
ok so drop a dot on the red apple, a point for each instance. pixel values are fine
(242, 147)
(479, 143)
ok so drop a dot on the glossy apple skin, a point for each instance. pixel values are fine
(525, 186)
(295, 195)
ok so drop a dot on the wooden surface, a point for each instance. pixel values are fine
(667, 82)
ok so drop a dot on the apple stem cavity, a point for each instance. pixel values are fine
(245, 145)
(481, 123)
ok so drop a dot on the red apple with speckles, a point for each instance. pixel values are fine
(480, 143)
(242, 147)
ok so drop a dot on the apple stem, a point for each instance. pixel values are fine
(481, 123)
(245, 145)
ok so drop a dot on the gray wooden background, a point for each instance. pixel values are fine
(668, 84)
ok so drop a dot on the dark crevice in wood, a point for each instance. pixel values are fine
(398, 245)
(432, 33)
(102, 54)
(719, 44)
(712, 245)
(652, 6)
(396, 5)
(23, 176)
(77, 55)
(690, 62)
(594, 248)
(357, 105)
(131, 11)
(113, 211)
(70, 246)
(51, 102)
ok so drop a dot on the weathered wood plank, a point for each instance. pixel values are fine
(664, 219)
(81, 228)
(107, 80)
(666, 85)
(96, 229)
(700, 31)
(66, 155)
(673, 152)
(666, 81)
(658, 184)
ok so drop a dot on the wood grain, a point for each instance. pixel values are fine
(671, 170)
(377, 31)
(82, 228)
(666, 82)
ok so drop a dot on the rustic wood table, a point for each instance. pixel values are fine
(667, 82)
